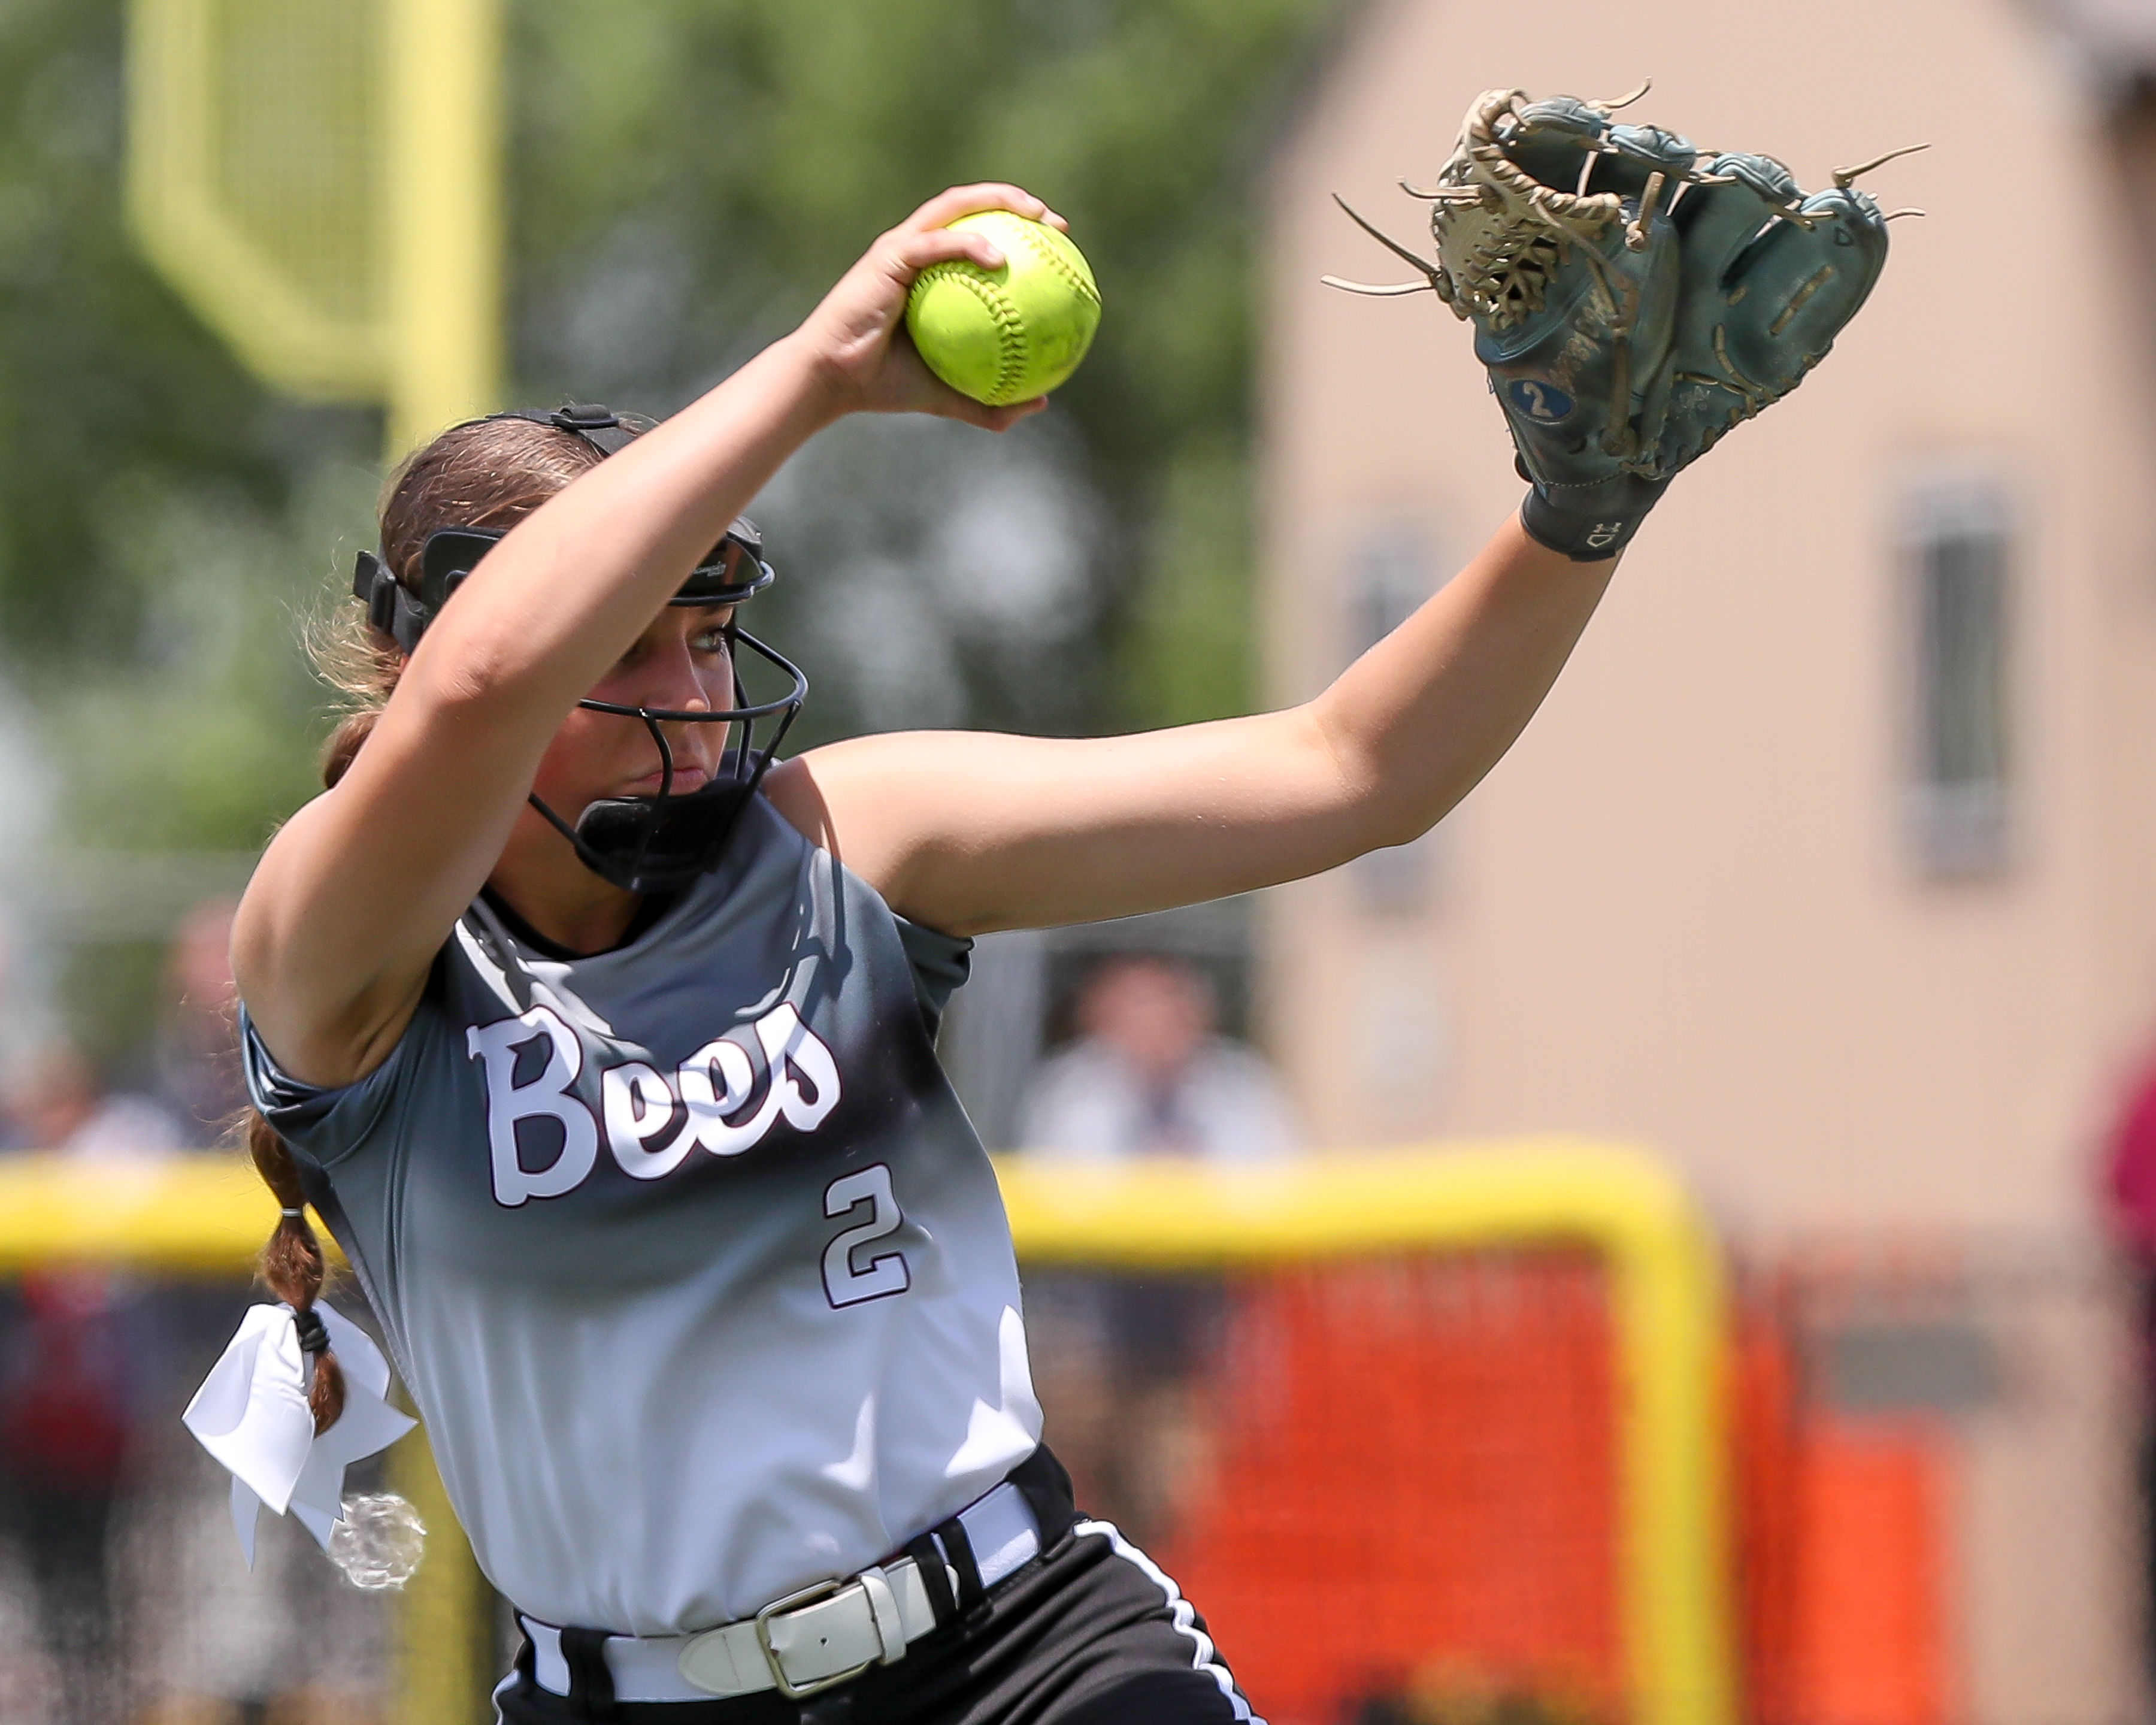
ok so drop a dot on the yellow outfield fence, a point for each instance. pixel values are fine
(1617, 1210)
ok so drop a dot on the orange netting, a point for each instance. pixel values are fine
(1841, 1531)
(1413, 1488)
(1392, 1488)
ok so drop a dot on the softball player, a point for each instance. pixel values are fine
(608, 1057)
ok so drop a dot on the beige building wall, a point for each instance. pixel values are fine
(1684, 909)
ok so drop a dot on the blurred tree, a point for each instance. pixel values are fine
(142, 471)
(690, 173)
(686, 177)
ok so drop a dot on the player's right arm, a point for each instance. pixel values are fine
(356, 895)
(970, 832)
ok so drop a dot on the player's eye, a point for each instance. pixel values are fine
(711, 640)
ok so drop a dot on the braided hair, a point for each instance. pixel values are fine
(486, 473)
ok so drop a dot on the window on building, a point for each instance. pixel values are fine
(1960, 570)
(1393, 569)
(1391, 577)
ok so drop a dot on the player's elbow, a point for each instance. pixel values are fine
(1382, 801)
(1392, 821)
(1384, 813)
(1370, 799)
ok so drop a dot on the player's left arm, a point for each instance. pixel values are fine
(967, 831)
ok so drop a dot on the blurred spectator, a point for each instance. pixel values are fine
(1121, 1361)
(198, 1072)
(67, 1413)
(211, 1642)
(1149, 1077)
(53, 1101)
(2130, 1187)
(65, 1426)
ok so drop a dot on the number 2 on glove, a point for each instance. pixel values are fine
(1543, 402)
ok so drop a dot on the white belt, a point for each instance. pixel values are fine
(810, 1640)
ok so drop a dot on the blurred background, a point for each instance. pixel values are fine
(1827, 875)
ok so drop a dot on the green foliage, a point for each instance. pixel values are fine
(686, 178)
(216, 741)
(693, 172)
(697, 171)
(1189, 637)
(107, 382)
(142, 474)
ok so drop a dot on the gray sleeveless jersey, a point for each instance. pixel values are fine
(686, 1252)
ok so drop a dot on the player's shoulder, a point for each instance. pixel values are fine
(886, 805)
(821, 784)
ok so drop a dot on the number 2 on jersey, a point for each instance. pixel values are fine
(847, 1280)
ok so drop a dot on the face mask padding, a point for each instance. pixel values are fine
(660, 844)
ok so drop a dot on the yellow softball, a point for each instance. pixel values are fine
(1007, 335)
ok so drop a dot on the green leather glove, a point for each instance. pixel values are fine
(1631, 301)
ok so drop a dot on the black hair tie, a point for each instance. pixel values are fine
(314, 1334)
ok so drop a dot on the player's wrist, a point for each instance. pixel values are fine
(826, 387)
(1589, 524)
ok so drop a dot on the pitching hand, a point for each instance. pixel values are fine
(857, 337)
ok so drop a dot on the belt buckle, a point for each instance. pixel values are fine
(807, 1596)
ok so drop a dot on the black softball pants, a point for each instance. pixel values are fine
(1090, 1632)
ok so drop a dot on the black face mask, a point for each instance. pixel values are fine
(656, 844)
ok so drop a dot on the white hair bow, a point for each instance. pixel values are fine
(251, 1413)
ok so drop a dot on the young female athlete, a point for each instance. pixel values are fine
(612, 1070)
